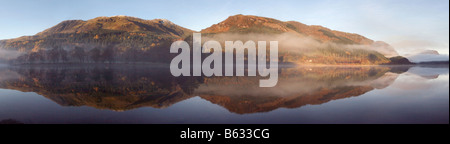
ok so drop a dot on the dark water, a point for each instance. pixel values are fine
(144, 94)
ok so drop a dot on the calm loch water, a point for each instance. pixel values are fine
(143, 94)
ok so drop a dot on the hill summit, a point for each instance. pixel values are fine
(122, 31)
(256, 24)
(118, 23)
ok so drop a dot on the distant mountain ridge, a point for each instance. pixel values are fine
(134, 39)
(429, 56)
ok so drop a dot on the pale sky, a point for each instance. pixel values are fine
(409, 25)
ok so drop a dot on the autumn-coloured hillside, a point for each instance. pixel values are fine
(304, 44)
(122, 31)
(130, 39)
(255, 24)
(118, 23)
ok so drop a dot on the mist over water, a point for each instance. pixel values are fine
(296, 43)
(9, 54)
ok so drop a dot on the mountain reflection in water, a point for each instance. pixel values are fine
(122, 88)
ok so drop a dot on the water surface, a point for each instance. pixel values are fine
(145, 94)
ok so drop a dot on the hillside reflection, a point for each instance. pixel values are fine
(122, 88)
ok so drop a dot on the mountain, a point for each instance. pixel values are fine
(314, 44)
(123, 31)
(119, 23)
(255, 24)
(432, 52)
(428, 56)
(116, 38)
(130, 39)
